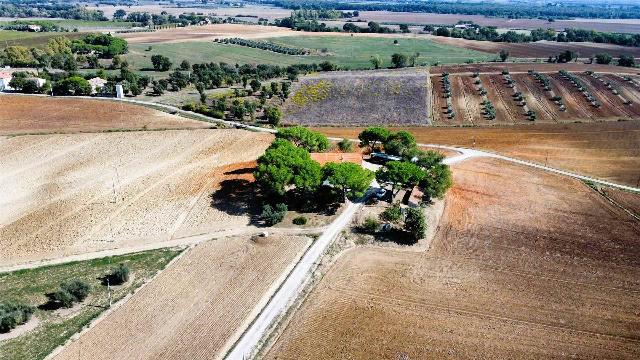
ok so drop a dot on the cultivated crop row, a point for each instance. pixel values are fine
(517, 95)
(546, 85)
(609, 86)
(489, 109)
(446, 89)
(578, 84)
(265, 45)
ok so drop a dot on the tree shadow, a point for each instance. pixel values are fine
(396, 236)
(51, 304)
(243, 171)
(236, 197)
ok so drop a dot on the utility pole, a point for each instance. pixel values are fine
(546, 158)
(108, 284)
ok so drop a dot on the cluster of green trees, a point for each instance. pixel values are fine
(60, 53)
(13, 314)
(323, 14)
(265, 45)
(372, 27)
(145, 18)
(417, 167)
(23, 25)
(495, 9)
(48, 9)
(287, 174)
(69, 293)
(413, 221)
(490, 33)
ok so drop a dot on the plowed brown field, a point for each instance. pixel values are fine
(193, 308)
(605, 150)
(72, 194)
(37, 114)
(525, 264)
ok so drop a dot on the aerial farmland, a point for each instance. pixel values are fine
(287, 180)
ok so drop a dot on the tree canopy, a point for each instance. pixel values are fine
(309, 140)
(374, 136)
(284, 166)
(351, 179)
(400, 174)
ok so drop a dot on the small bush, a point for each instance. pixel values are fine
(300, 220)
(77, 288)
(345, 145)
(13, 314)
(61, 298)
(273, 215)
(370, 225)
(415, 224)
(392, 213)
(119, 275)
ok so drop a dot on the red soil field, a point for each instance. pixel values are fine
(605, 150)
(37, 114)
(540, 49)
(524, 264)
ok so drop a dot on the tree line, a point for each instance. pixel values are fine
(26, 9)
(506, 10)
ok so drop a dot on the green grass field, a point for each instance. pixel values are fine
(347, 52)
(30, 286)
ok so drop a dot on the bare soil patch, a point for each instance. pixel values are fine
(605, 150)
(525, 264)
(195, 307)
(352, 98)
(541, 67)
(72, 194)
(36, 114)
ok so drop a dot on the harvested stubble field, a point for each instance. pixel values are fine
(353, 98)
(605, 150)
(525, 264)
(540, 49)
(196, 308)
(628, 200)
(37, 114)
(72, 194)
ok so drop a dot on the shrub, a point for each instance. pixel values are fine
(392, 213)
(273, 215)
(415, 223)
(370, 225)
(61, 298)
(77, 288)
(119, 275)
(273, 115)
(300, 220)
(345, 145)
(13, 314)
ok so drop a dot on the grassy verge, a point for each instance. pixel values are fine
(56, 327)
(347, 52)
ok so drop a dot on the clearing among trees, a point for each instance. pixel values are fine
(196, 308)
(37, 114)
(72, 194)
(355, 98)
(510, 238)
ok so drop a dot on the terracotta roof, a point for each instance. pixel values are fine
(324, 158)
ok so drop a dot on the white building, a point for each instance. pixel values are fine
(97, 84)
(5, 79)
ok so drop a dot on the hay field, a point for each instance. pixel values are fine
(191, 310)
(354, 98)
(525, 264)
(37, 114)
(72, 194)
(605, 150)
